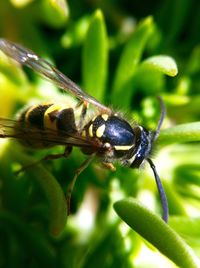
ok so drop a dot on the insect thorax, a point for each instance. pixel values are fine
(119, 140)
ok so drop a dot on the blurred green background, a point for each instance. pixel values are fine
(124, 53)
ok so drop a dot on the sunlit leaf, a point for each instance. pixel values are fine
(20, 3)
(180, 133)
(161, 63)
(131, 55)
(95, 57)
(55, 12)
(157, 232)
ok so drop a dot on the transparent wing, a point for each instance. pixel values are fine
(13, 129)
(28, 58)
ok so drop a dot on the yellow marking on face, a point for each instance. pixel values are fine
(132, 159)
(84, 133)
(123, 147)
(91, 130)
(100, 131)
(105, 117)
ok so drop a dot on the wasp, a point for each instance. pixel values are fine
(107, 135)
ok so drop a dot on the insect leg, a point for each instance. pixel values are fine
(109, 166)
(77, 173)
(68, 150)
(66, 153)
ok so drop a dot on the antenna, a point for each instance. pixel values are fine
(162, 116)
(161, 191)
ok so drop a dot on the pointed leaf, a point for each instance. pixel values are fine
(129, 60)
(181, 133)
(157, 232)
(95, 57)
(51, 188)
(55, 12)
(161, 63)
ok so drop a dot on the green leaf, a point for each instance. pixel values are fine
(157, 232)
(10, 69)
(178, 12)
(186, 226)
(50, 187)
(161, 63)
(175, 203)
(55, 12)
(75, 33)
(189, 228)
(30, 236)
(20, 3)
(150, 81)
(131, 55)
(181, 133)
(194, 61)
(95, 57)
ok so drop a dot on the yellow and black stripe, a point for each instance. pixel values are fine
(45, 117)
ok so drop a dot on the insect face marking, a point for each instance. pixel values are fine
(144, 145)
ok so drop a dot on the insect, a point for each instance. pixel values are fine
(107, 135)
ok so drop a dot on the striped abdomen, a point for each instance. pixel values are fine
(43, 124)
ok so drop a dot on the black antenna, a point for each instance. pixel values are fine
(162, 116)
(161, 191)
